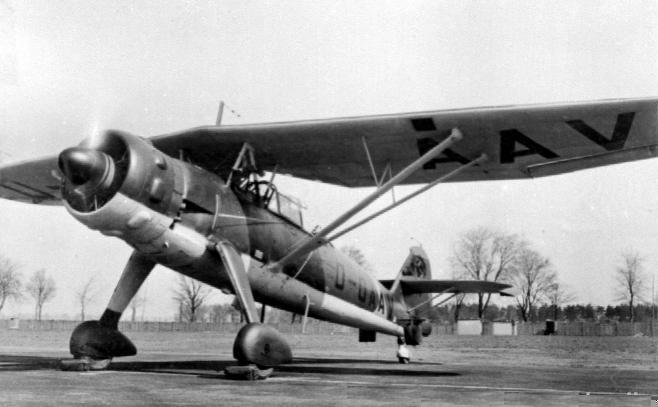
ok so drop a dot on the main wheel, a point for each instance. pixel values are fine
(402, 360)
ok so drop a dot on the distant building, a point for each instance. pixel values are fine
(474, 327)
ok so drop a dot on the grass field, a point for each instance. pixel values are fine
(555, 351)
(184, 368)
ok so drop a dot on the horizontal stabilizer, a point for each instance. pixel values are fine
(510, 292)
(451, 286)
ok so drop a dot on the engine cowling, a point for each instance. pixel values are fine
(122, 186)
(117, 162)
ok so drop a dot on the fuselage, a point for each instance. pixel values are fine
(173, 211)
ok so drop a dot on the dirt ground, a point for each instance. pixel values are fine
(177, 368)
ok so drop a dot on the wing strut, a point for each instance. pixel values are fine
(319, 239)
(395, 204)
(387, 169)
(432, 298)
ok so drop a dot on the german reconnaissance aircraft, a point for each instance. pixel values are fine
(198, 202)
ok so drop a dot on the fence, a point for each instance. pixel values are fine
(314, 326)
(583, 328)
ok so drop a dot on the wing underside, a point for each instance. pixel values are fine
(35, 181)
(519, 141)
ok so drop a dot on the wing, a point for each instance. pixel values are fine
(520, 141)
(35, 181)
(451, 286)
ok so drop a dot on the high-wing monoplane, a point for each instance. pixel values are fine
(203, 202)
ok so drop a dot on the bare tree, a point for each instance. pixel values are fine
(484, 254)
(85, 295)
(41, 288)
(558, 294)
(534, 278)
(190, 295)
(459, 298)
(459, 301)
(10, 281)
(355, 254)
(630, 277)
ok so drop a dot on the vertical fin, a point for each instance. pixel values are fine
(415, 267)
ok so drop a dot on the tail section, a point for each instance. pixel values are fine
(413, 309)
(412, 292)
(415, 267)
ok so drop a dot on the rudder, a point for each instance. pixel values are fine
(415, 267)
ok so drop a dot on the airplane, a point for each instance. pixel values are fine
(203, 202)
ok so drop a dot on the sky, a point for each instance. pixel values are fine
(69, 69)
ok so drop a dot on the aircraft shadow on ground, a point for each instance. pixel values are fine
(10, 363)
(202, 368)
(297, 367)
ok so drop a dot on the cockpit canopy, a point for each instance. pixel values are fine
(288, 207)
(283, 205)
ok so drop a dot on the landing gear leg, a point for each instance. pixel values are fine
(404, 354)
(257, 345)
(94, 343)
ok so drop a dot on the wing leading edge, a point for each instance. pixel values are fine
(34, 181)
(520, 141)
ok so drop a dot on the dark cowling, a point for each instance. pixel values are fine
(81, 165)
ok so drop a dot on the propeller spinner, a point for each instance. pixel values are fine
(89, 174)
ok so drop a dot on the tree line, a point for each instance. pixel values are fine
(490, 255)
(479, 254)
(40, 287)
(571, 313)
(486, 254)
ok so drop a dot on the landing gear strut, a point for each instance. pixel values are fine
(257, 345)
(93, 344)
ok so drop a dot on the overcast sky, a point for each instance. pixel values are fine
(71, 68)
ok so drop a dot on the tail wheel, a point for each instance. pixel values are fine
(404, 354)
